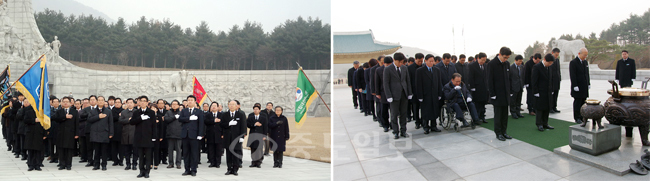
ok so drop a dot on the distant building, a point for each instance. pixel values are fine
(360, 46)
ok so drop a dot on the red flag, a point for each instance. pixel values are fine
(198, 91)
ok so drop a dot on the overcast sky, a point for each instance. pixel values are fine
(219, 14)
(488, 25)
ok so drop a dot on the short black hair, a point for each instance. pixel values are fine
(111, 98)
(53, 98)
(120, 99)
(399, 56)
(190, 96)
(537, 56)
(556, 50)
(419, 56)
(380, 57)
(461, 56)
(158, 101)
(366, 65)
(282, 109)
(481, 55)
(101, 97)
(624, 51)
(519, 57)
(437, 58)
(428, 57)
(411, 59)
(176, 102)
(549, 57)
(206, 104)
(237, 102)
(143, 96)
(388, 59)
(446, 56)
(68, 98)
(269, 103)
(470, 59)
(258, 107)
(129, 99)
(505, 51)
(85, 99)
(91, 96)
(372, 62)
(453, 57)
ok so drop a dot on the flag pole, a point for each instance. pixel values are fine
(321, 98)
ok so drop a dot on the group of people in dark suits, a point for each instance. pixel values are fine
(100, 131)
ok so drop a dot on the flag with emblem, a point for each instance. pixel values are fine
(4, 84)
(33, 85)
(305, 94)
(198, 91)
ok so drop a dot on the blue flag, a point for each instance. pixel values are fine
(33, 85)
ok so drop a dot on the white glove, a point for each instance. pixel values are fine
(144, 116)
(199, 137)
(616, 81)
(510, 94)
(526, 86)
(469, 99)
(232, 123)
(633, 80)
(241, 140)
(389, 99)
(589, 87)
(552, 93)
(177, 116)
(194, 118)
(410, 96)
(493, 97)
(576, 89)
(439, 97)
(457, 88)
(536, 95)
(473, 89)
(420, 100)
(153, 139)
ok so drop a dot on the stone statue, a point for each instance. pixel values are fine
(568, 49)
(179, 81)
(56, 44)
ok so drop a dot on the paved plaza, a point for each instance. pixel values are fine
(362, 151)
(292, 169)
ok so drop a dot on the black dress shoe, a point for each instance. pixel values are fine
(515, 116)
(187, 173)
(435, 129)
(396, 135)
(140, 175)
(30, 169)
(507, 136)
(135, 167)
(540, 128)
(68, 168)
(38, 169)
(520, 116)
(24, 158)
(193, 174)
(426, 131)
(61, 168)
(408, 120)
(417, 126)
(484, 121)
(549, 127)
(235, 173)
(252, 165)
(551, 111)
(385, 130)
(403, 135)
(114, 164)
(17, 156)
(95, 168)
(81, 161)
(228, 172)
(557, 111)
(501, 138)
(578, 121)
(146, 175)
(179, 167)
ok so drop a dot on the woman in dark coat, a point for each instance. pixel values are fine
(257, 134)
(213, 136)
(279, 134)
(34, 136)
(173, 134)
(128, 131)
(67, 117)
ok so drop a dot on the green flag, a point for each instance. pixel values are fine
(305, 94)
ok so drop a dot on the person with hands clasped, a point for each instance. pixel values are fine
(233, 123)
(146, 134)
(191, 133)
(279, 134)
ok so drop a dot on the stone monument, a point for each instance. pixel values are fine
(568, 49)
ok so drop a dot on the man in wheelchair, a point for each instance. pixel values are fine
(459, 99)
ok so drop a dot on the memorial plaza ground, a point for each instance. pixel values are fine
(362, 151)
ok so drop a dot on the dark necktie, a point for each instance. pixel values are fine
(399, 72)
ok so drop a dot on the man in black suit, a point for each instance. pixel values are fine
(193, 126)
(116, 141)
(446, 68)
(214, 135)
(83, 117)
(499, 88)
(67, 118)
(160, 155)
(580, 84)
(384, 105)
(530, 99)
(52, 148)
(34, 136)
(146, 134)
(397, 89)
(368, 97)
(359, 85)
(415, 104)
(540, 81)
(428, 93)
(258, 130)
(555, 82)
(461, 66)
(267, 112)
(371, 90)
(351, 72)
(516, 87)
(478, 85)
(625, 70)
(233, 123)
(101, 131)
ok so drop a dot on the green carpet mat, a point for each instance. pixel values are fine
(524, 129)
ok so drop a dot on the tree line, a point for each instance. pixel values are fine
(163, 44)
(632, 34)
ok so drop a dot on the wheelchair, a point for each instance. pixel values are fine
(450, 122)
